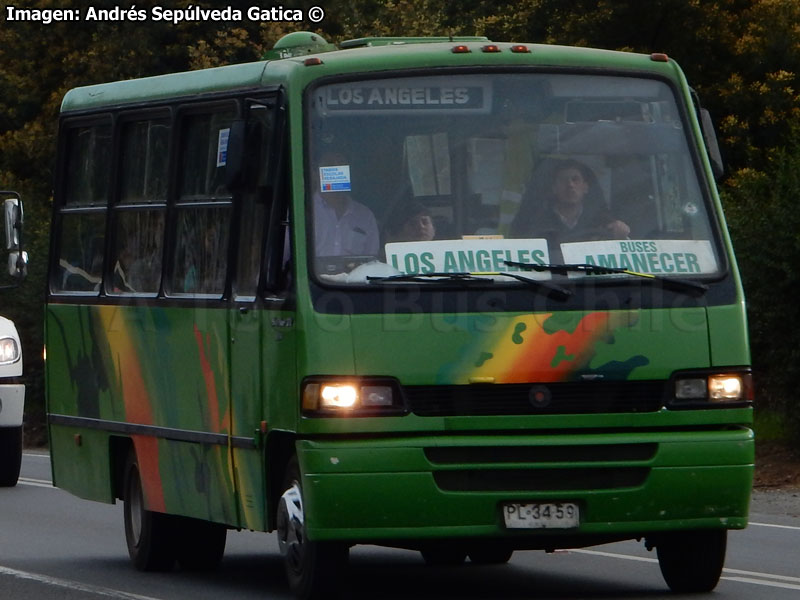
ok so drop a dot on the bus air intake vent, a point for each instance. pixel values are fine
(540, 480)
(536, 399)
(586, 453)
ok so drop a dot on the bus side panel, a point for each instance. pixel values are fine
(81, 462)
(133, 366)
(247, 413)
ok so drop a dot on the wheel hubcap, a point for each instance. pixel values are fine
(135, 504)
(290, 526)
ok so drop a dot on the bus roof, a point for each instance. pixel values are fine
(362, 55)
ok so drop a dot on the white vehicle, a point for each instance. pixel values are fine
(12, 390)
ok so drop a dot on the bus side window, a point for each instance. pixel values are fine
(201, 254)
(83, 201)
(140, 214)
(204, 206)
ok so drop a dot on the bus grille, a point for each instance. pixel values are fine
(562, 453)
(536, 480)
(532, 468)
(536, 399)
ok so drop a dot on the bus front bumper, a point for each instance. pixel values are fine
(450, 487)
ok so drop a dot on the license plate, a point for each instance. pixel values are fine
(541, 515)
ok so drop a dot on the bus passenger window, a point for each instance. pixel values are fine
(201, 253)
(140, 214)
(88, 166)
(137, 252)
(81, 257)
(204, 155)
(204, 207)
(83, 210)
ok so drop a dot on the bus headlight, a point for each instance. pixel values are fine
(9, 350)
(722, 388)
(712, 388)
(337, 396)
(330, 397)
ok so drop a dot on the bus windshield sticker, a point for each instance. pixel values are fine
(441, 95)
(335, 178)
(654, 257)
(485, 255)
(222, 146)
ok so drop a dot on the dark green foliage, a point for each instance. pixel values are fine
(764, 220)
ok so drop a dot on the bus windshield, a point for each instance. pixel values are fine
(466, 173)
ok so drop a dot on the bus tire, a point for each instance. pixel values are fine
(313, 569)
(200, 544)
(150, 536)
(490, 555)
(10, 455)
(691, 561)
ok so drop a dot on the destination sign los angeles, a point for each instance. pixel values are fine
(417, 94)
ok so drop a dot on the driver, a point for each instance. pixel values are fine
(574, 210)
(342, 226)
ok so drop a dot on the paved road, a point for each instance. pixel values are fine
(56, 546)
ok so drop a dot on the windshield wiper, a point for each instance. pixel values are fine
(693, 288)
(473, 278)
(434, 277)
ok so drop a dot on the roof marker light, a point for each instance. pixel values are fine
(461, 49)
(313, 60)
(520, 49)
(659, 57)
(490, 48)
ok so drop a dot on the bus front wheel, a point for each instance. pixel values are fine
(150, 535)
(691, 561)
(10, 455)
(314, 569)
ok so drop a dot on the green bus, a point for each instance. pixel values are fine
(449, 295)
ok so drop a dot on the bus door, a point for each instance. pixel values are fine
(256, 338)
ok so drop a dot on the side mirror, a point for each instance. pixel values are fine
(12, 208)
(18, 264)
(710, 138)
(17, 258)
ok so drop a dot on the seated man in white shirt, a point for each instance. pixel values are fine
(342, 226)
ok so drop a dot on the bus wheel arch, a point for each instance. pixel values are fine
(119, 448)
(313, 569)
(279, 451)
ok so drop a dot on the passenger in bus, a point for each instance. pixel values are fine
(205, 272)
(410, 222)
(84, 275)
(342, 226)
(573, 211)
(138, 266)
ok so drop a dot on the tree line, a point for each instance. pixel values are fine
(742, 57)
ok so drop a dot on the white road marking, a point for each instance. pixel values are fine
(613, 555)
(73, 585)
(36, 482)
(754, 577)
(776, 526)
(777, 584)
